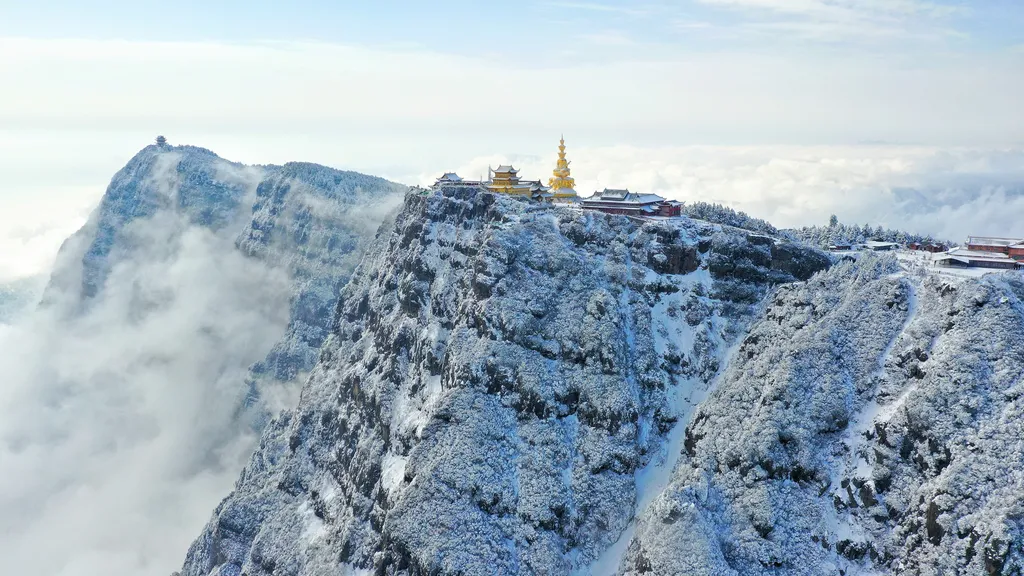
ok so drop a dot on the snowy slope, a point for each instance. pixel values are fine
(869, 423)
(502, 392)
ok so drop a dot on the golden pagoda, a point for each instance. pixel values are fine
(563, 186)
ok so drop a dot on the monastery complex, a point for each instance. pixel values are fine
(561, 188)
(980, 252)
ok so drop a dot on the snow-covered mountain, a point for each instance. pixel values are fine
(306, 221)
(182, 315)
(520, 389)
(868, 423)
(470, 384)
(506, 387)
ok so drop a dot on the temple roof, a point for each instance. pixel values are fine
(991, 241)
(613, 193)
(505, 168)
(625, 197)
(965, 256)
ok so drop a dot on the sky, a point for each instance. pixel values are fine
(407, 90)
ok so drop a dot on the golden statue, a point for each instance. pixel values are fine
(562, 185)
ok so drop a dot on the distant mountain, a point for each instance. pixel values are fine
(308, 221)
(183, 315)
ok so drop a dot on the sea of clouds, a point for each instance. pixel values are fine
(117, 435)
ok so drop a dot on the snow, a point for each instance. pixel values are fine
(567, 401)
(872, 427)
(393, 471)
(413, 412)
(873, 412)
(313, 527)
(671, 334)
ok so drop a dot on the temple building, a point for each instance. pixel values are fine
(505, 180)
(451, 179)
(562, 184)
(1012, 247)
(632, 204)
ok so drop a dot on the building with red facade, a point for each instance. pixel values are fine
(1017, 251)
(632, 204)
(991, 244)
(1012, 247)
(966, 258)
(925, 247)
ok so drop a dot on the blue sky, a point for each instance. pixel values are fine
(528, 30)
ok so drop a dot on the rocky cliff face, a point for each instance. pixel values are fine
(316, 222)
(194, 183)
(505, 388)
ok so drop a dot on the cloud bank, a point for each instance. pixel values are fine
(653, 95)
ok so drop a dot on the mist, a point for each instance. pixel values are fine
(116, 429)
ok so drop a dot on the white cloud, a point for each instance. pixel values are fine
(116, 429)
(635, 11)
(83, 107)
(845, 9)
(844, 20)
(122, 414)
(31, 232)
